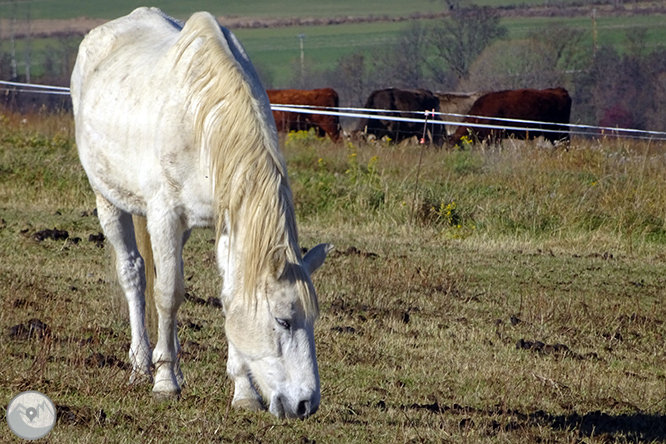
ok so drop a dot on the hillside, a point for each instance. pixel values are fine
(79, 26)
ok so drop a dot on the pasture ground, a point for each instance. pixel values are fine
(511, 294)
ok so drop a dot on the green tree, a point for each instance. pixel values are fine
(401, 64)
(458, 40)
(545, 59)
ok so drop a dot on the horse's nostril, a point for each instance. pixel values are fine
(303, 409)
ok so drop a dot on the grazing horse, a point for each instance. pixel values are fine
(174, 126)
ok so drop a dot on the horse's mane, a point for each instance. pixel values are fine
(249, 175)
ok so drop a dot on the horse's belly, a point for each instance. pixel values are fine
(134, 180)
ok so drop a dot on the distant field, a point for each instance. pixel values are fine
(278, 49)
(64, 9)
(611, 30)
(277, 52)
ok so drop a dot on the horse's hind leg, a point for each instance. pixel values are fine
(176, 367)
(119, 230)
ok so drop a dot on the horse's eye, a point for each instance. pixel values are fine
(283, 323)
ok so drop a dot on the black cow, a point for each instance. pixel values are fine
(408, 103)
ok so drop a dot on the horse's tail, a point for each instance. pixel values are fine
(146, 251)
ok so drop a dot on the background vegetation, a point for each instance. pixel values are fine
(64, 9)
(612, 65)
(512, 294)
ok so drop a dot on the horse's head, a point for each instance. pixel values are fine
(271, 344)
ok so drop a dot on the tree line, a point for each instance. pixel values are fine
(465, 51)
(468, 51)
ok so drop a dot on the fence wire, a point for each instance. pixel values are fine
(385, 114)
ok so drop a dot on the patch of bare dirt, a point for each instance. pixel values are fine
(627, 427)
(552, 349)
(363, 312)
(98, 360)
(353, 251)
(79, 416)
(196, 300)
(33, 329)
(54, 234)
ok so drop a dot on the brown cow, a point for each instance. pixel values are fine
(289, 121)
(455, 103)
(546, 105)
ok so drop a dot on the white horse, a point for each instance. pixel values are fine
(173, 124)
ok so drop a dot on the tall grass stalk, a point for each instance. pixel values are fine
(606, 190)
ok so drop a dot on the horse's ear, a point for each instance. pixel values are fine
(315, 257)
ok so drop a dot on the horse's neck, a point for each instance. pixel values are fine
(231, 251)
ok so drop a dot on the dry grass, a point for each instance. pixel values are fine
(431, 312)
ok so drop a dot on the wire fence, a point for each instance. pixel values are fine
(393, 115)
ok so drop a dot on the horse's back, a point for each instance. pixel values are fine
(123, 34)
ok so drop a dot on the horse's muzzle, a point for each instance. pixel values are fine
(300, 409)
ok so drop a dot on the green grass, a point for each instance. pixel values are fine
(611, 31)
(279, 50)
(423, 302)
(261, 8)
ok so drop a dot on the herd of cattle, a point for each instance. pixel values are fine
(531, 113)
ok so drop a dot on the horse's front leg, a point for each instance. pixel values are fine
(245, 394)
(167, 237)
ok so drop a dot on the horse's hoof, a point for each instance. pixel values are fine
(250, 404)
(166, 396)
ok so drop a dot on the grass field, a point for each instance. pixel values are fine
(277, 50)
(261, 8)
(507, 295)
